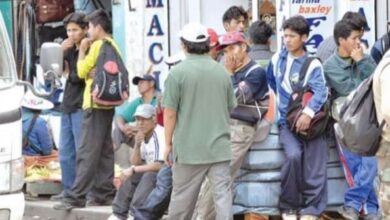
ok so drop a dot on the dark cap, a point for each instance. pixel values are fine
(146, 77)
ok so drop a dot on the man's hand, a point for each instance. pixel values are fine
(231, 63)
(139, 138)
(92, 73)
(303, 123)
(66, 44)
(129, 130)
(126, 173)
(167, 152)
(85, 44)
(357, 54)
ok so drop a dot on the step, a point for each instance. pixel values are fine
(42, 208)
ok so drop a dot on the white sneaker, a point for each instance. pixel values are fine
(308, 217)
(289, 216)
(113, 217)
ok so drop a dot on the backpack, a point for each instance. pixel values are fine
(386, 42)
(358, 128)
(298, 101)
(110, 86)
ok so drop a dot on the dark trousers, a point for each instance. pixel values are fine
(95, 159)
(157, 202)
(133, 192)
(303, 175)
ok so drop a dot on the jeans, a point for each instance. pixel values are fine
(133, 192)
(157, 202)
(69, 142)
(361, 195)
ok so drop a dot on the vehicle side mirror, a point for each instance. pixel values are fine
(51, 68)
(51, 60)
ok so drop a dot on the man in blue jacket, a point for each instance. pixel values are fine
(303, 175)
(344, 71)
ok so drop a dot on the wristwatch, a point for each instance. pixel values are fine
(132, 168)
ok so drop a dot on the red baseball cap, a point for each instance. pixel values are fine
(213, 37)
(231, 38)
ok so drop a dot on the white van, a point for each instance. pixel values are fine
(11, 160)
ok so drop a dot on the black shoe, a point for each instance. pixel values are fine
(93, 202)
(57, 197)
(348, 213)
(372, 217)
(67, 206)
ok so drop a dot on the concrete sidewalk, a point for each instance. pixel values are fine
(42, 209)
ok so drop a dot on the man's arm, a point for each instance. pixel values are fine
(125, 128)
(136, 157)
(366, 66)
(170, 117)
(317, 85)
(151, 167)
(171, 102)
(85, 62)
(339, 80)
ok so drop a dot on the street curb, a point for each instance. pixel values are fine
(43, 210)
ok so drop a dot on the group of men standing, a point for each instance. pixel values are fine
(212, 106)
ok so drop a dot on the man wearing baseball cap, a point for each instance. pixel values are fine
(125, 129)
(146, 170)
(197, 100)
(214, 52)
(250, 86)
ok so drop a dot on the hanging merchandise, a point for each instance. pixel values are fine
(53, 10)
(26, 40)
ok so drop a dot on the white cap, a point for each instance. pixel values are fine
(195, 33)
(145, 111)
(34, 102)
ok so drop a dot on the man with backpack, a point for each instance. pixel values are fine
(303, 175)
(95, 156)
(344, 71)
(381, 90)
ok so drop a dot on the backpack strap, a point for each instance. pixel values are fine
(251, 69)
(305, 67)
(302, 73)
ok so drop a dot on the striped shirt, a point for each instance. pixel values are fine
(153, 150)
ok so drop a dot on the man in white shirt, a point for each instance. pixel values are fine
(147, 158)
